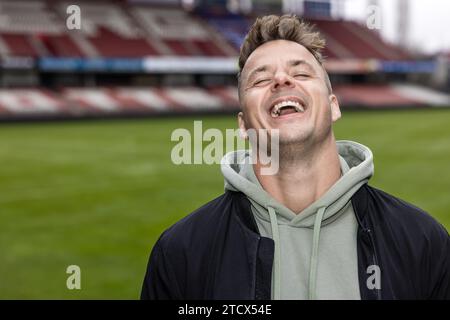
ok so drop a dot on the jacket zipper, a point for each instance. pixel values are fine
(368, 231)
(374, 256)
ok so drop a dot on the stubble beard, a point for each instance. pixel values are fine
(302, 147)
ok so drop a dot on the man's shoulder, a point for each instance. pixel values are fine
(412, 247)
(202, 225)
(402, 215)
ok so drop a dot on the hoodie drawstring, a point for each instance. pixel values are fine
(314, 254)
(276, 276)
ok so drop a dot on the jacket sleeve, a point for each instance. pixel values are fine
(440, 265)
(159, 282)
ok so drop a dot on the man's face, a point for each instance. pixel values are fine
(283, 87)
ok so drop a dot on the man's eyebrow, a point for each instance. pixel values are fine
(257, 70)
(297, 62)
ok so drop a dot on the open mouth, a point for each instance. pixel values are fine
(286, 107)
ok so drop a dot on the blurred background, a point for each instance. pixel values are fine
(89, 97)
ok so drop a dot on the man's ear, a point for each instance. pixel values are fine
(335, 109)
(242, 127)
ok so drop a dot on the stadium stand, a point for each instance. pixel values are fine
(180, 33)
(118, 39)
(139, 100)
(31, 28)
(21, 24)
(348, 39)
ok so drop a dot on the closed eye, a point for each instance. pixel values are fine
(302, 75)
(262, 81)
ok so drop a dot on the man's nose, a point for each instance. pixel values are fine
(282, 79)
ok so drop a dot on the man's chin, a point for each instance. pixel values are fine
(286, 139)
(293, 134)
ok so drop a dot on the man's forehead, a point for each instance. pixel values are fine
(276, 51)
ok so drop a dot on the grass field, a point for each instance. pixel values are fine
(98, 194)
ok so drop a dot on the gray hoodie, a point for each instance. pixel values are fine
(315, 250)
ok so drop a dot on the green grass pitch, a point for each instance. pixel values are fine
(98, 194)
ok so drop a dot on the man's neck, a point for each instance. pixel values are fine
(304, 179)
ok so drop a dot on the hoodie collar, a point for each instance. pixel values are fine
(356, 163)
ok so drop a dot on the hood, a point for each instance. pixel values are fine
(356, 162)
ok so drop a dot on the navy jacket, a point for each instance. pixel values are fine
(216, 252)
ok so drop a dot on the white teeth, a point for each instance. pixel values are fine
(276, 109)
